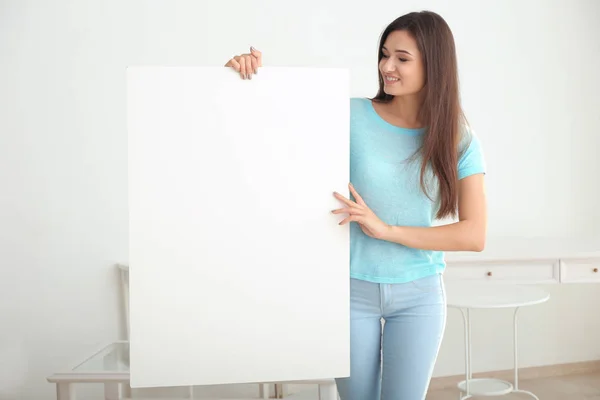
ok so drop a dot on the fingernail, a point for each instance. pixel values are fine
(249, 76)
(252, 48)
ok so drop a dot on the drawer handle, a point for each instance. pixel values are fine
(490, 273)
(595, 269)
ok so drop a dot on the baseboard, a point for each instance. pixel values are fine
(545, 371)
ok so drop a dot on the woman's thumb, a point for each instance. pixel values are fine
(256, 54)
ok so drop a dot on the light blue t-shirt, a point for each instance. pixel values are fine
(387, 176)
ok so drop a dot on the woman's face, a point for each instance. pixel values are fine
(401, 66)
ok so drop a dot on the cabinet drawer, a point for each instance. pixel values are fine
(505, 271)
(580, 271)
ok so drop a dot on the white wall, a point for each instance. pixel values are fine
(530, 89)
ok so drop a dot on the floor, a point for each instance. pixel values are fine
(573, 387)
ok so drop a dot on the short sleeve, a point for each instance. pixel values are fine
(471, 159)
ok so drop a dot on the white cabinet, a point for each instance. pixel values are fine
(560, 270)
(580, 270)
(529, 260)
(518, 271)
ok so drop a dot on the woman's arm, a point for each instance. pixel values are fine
(468, 234)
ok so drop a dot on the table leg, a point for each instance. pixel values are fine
(468, 373)
(516, 359)
(328, 391)
(263, 391)
(469, 344)
(515, 347)
(280, 390)
(126, 390)
(111, 391)
(65, 391)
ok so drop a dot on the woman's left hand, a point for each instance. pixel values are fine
(360, 213)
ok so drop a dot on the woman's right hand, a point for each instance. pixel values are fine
(246, 64)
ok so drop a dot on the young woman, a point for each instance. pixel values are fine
(413, 160)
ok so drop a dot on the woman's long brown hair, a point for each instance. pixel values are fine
(440, 112)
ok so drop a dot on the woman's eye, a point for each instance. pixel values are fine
(384, 56)
(403, 59)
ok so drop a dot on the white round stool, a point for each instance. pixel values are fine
(490, 296)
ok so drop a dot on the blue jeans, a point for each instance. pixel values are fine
(394, 361)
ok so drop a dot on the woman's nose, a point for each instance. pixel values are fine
(388, 66)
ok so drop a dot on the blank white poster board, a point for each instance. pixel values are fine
(238, 269)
